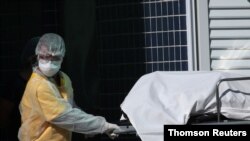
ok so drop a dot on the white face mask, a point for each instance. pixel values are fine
(49, 68)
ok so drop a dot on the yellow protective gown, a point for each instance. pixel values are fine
(48, 115)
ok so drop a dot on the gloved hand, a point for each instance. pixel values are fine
(110, 130)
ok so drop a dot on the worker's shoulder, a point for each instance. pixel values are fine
(65, 76)
(36, 79)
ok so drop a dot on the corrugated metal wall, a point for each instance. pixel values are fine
(230, 35)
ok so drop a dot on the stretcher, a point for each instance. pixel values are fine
(209, 110)
(218, 118)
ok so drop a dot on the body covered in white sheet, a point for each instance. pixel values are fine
(162, 98)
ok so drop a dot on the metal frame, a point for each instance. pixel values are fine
(203, 50)
(218, 101)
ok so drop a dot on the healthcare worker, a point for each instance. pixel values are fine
(47, 107)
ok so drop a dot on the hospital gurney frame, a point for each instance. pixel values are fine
(218, 106)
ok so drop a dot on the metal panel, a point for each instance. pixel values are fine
(230, 44)
(229, 4)
(230, 64)
(242, 72)
(233, 34)
(229, 14)
(229, 35)
(222, 24)
(230, 54)
(203, 35)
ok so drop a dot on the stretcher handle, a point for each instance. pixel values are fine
(218, 102)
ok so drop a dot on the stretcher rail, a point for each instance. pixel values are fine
(218, 101)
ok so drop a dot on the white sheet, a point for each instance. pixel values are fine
(162, 98)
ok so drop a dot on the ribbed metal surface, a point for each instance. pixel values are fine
(230, 35)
